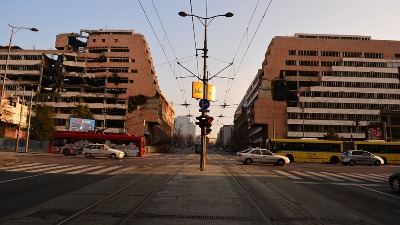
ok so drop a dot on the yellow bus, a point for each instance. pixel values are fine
(307, 150)
(388, 151)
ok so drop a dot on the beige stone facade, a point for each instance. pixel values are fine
(310, 83)
(110, 70)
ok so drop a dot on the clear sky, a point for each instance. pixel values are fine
(242, 39)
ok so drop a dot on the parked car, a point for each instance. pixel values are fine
(353, 157)
(101, 150)
(394, 181)
(258, 155)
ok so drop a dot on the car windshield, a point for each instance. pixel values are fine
(245, 151)
(345, 153)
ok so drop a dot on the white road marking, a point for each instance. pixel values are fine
(288, 175)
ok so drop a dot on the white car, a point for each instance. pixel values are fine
(101, 150)
(258, 155)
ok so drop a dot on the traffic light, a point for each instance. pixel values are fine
(201, 121)
(208, 124)
(357, 122)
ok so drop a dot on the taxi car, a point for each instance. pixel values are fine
(259, 155)
(101, 150)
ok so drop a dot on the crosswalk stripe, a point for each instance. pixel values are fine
(380, 176)
(70, 167)
(27, 165)
(105, 170)
(306, 175)
(288, 175)
(342, 176)
(325, 176)
(86, 169)
(46, 169)
(33, 167)
(368, 177)
(123, 170)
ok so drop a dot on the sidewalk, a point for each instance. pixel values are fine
(8, 158)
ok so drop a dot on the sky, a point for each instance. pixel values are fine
(236, 45)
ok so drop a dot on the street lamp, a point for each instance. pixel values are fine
(207, 21)
(8, 54)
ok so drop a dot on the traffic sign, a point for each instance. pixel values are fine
(204, 104)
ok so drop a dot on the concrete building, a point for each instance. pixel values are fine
(225, 137)
(311, 83)
(185, 126)
(109, 70)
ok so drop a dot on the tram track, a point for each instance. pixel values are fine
(293, 213)
(154, 179)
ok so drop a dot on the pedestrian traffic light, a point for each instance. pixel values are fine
(208, 124)
(201, 121)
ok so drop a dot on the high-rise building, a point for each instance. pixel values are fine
(109, 70)
(312, 83)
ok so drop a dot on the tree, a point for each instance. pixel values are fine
(43, 123)
(82, 111)
(332, 135)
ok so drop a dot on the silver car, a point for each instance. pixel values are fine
(102, 150)
(353, 157)
(259, 155)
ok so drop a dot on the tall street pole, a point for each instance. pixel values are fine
(29, 122)
(8, 55)
(205, 80)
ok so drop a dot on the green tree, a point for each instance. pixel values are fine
(43, 123)
(332, 135)
(82, 111)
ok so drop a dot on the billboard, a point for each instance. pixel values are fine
(79, 124)
(376, 131)
(197, 91)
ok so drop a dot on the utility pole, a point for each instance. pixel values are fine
(205, 81)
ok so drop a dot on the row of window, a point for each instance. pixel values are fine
(370, 55)
(344, 63)
(21, 67)
(358, 74)
(358, 38)
(110, 69)
(104, 40)
(362, 85)
(21, 57)
(342, 105)
(322, 128)
(332, 116)
(108, 49)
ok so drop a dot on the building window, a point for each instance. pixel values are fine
(308, 52)
(103, 40)
(94, 40)
(352, 54)
(292, 52)
(134, 71)
(308, 63)
(290, 62)
(397, 56)
(373, 55)
(115, 40)
(330, 53)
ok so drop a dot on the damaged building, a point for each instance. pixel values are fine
(109, 70)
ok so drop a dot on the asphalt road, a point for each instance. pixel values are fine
(360, 190)
(24, 188)
(19, 190)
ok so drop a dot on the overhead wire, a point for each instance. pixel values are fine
(230, 82)
(181, 87)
